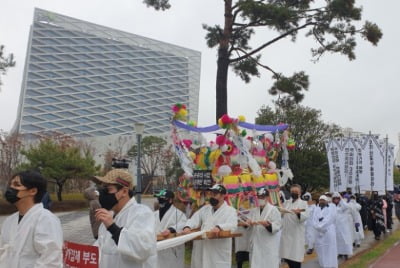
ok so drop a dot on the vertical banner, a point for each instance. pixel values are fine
(365, 176)
(361, 163)
(349, 152)
(373, 178)
(335, 159)
(389, 166)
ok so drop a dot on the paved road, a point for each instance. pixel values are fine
(390, 259)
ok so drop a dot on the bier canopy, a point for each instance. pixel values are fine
(242, 156)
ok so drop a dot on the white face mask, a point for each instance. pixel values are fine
(262, 202)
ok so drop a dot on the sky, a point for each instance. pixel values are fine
(362, 94)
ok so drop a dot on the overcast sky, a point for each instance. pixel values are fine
(361, 94)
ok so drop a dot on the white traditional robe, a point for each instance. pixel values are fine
(293, 231)
(213, 252)
(242, 243)
(36, 241)
(264, 245)
(344, 225)
(310, 231)
(325, 239)
(137, 242)
(173, 218)
(356, 207)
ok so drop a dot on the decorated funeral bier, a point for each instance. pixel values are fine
(240, 155)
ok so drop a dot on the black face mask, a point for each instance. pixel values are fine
(213, 201)
(294, 195)
(11, 195)
(162, 202)
(107, 200)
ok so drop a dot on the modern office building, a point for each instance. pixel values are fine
(87, 80)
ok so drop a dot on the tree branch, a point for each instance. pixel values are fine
(259, 64)
(271, 42)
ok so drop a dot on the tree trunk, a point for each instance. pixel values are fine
(59, 190)
(223, 63)
(222, 83)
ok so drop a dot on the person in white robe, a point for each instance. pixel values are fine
(242, 243)
(293, 230)
(344, 224)
(127, 237)
(32, 236)
(215, 217)
(310, 232)
(169, 219)
(325, 240)
(265, 222)
(358, 226)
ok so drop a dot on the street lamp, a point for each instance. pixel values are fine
(139, 127)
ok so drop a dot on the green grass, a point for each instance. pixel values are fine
(372, 254)
(68, 196)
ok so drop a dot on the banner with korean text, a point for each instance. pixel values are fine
(336, 164)
(360, 163)
(79, 255)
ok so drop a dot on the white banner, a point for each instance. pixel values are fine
(373, 179)
(349, 152)
(336, 170)
(359, 164)
(389, 167)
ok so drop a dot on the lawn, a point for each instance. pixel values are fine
(371, 255)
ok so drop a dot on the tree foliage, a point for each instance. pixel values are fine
(152, 154)
(331, 23)
(5, 62)
(171, 166)
(396, 176)
(60, 159)
(308, 161)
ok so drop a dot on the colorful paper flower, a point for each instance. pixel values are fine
(225, 121)
(180, 112)
(241, 118)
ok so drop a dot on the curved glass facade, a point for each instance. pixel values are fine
(87, 80)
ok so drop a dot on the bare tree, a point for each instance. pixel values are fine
(10, 157)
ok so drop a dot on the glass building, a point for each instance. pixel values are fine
(87, 80)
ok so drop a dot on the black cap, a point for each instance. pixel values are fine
(218, 188)
(262, 192)
(166, 194)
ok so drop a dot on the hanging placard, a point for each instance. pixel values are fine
(202, 179)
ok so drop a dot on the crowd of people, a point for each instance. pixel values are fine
(126, 232)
